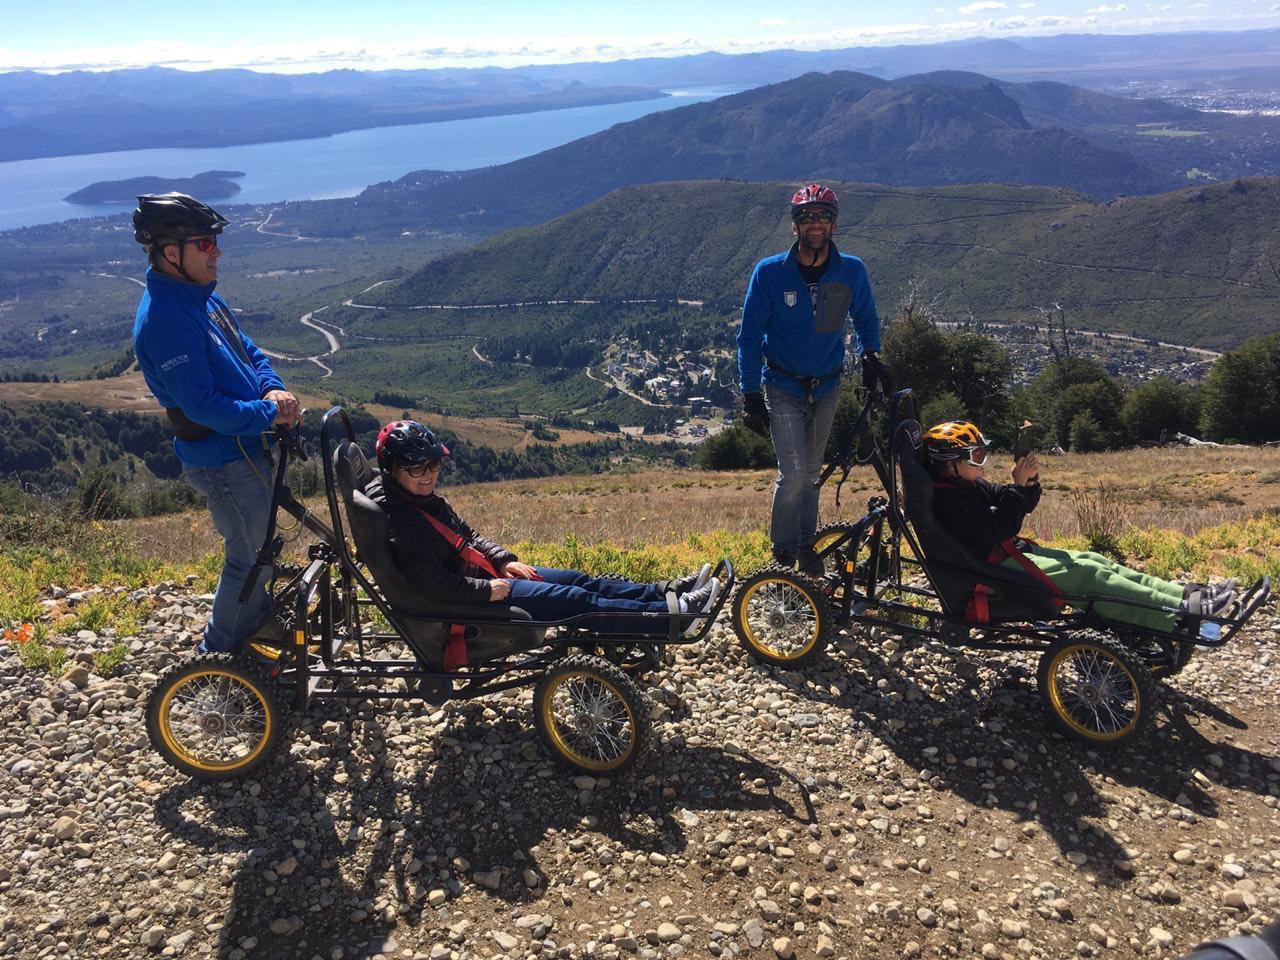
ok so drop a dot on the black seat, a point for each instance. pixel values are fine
(950, 564)
(490, 631)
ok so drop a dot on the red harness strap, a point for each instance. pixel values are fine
(455, 539)
(455, 651)
(1010, 548)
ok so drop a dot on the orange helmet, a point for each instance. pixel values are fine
(954, 440)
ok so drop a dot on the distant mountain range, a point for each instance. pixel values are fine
(80, 111)
(1194, 267)
(45, 115)
(927, 129)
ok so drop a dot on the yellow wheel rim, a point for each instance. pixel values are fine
(215, 720)
(589, 721)
(1094, 693)
(827, 539)
(779, 619)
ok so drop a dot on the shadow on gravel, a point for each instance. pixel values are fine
(991, 746)
(409, 835)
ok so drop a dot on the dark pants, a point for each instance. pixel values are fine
(561, 594)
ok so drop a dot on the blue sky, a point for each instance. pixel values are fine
(292, 36)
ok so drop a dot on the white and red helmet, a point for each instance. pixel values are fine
(814, 195)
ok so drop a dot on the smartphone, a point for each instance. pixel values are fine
(1022, 445)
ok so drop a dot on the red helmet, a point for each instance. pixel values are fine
(814, 195)
(407, 442)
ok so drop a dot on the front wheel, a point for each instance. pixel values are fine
(214, 717)
(782, 617)
(591, 714)
(1096, 690)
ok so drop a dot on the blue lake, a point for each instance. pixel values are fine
(342, 165)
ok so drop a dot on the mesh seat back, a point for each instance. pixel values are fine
(952, 565)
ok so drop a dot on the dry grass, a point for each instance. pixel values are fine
(129, 392)
(1184, 490)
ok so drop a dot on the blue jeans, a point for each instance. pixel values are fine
(567, 593)
(799, 431)
(240, 502)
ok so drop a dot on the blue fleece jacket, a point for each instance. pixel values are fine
(802, 333)
(189, 363)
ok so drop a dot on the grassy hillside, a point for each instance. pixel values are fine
(1194, 266)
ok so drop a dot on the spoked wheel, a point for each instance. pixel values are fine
(215, 717)
(781, 616)
(1097, 690)
(591, 714)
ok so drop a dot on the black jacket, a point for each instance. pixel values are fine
(422, 553)
(982, 514)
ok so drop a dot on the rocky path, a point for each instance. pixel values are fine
(883, 803)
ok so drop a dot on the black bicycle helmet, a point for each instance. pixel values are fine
(406, 442)
(174, 216)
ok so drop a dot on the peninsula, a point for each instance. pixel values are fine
(210, 185)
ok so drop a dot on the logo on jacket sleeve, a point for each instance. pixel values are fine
(789, 298)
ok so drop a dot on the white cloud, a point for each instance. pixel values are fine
(772, 22)
(939, 9)
(1025, 6)
(354, 52)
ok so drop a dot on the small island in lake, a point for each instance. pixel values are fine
(210, 185)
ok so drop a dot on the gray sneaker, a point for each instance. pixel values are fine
(700, 601)
(691, 582)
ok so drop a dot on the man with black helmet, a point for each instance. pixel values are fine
(442, 555)
(791, 352)
(219, 393)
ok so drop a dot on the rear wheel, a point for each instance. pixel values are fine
(215, 717)
(1096, 690)
(781, 617)
(831, 533)
(591, 714)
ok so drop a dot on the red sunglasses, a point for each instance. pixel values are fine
(204, 244)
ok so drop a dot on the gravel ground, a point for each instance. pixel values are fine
(883, 802)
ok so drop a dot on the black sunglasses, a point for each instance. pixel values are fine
(421, 469)
(815, 216)
(204, 244)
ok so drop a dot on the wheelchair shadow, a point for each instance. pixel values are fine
(981, 735)
(384, 847)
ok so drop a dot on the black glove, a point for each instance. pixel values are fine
(755, 415)
(875, 373)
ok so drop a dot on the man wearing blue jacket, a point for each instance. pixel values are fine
(791, 351)
(220, 395)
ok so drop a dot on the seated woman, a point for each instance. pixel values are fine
(988, 517)
(438, 551)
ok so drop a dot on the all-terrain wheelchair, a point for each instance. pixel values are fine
(898, 569)
(220, 716)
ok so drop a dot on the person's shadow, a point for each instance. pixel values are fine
(974, 726)
(343, 852)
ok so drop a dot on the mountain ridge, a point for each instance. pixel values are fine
(842, 125)
(1169, 266)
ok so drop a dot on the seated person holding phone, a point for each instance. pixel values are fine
(988, 517)
(439, 552)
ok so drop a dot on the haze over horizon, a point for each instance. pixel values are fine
(64, 35)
